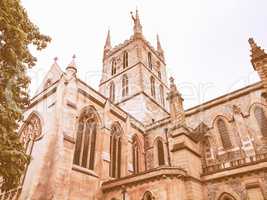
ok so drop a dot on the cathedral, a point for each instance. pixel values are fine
(132, 139)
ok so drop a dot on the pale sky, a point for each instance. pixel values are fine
(205, 41)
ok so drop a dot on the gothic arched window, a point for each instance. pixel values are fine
(136, 154)
(159, 74)
(112, 92)
(31, 131)
(152, 85)
(113, 67)
(125, 89)
(149, 58)
(125, 59)
(207, 151)
(160, 148)
(261, 120)
(224, 133)
(84, 154)
(115, 151)
(148, 196)
(162, 98)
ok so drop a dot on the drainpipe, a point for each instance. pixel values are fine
(168, 148)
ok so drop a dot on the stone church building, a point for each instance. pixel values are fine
(132, 139)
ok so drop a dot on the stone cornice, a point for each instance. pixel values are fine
(236, 171)
(157, 173)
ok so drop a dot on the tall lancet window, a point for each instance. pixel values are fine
(84, 154)
(152, 85)
(136, 154)
(112, 92)
(30, 131)
(160, 148)
(207, 151)
(149, 59)
(115, 151)
(125, 59)
(224, 133)
(125, 88)
(261, 120)
(113, 67)
(162, 98)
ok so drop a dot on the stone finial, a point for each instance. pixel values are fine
(236, 109)
(137, 24)
(55, 59)
(72, 65)
(176, 105)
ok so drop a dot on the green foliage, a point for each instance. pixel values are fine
(17, 32)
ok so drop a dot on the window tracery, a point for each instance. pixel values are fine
(261, 120)
(116, 151)
(152, 85)
(30, 132)
(125, 59)
(136, 154)
(224, 134)
(84, 154)
(125, 88)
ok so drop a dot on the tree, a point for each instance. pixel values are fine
(17, 33)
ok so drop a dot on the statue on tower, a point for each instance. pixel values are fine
(137, 25)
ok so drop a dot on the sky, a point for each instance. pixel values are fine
(205, 41)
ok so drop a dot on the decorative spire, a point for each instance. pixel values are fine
(72, 65)
(107, 46)
(159, 48)
(108, 43)
(256, 51)
(137, 25)
(259, 62)
(176, 105)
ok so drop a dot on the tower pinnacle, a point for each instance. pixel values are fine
(108, 43)
(72, 65)
(107, 46)
(176, 104)
(137, 25)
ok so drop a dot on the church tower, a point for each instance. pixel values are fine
(134, 76)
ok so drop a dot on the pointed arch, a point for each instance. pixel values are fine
(148, 196)
(125, 85)
(30, 131)
(206, 147)
(152, 86)
(113, 67)
(224, 133)
(136, 151)
(116, 150)
(112, 91)
(85, 146)
(261, 119)
(149, 59)
(159, 151)
(226, 196)
(125, 59)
